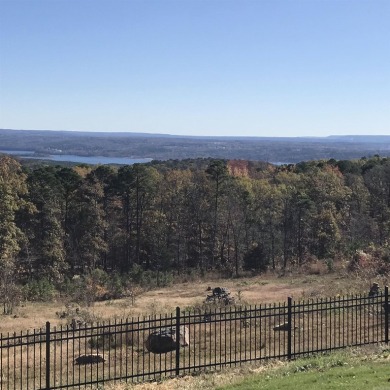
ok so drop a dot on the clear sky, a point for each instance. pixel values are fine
(196, 67)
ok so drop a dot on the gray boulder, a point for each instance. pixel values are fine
(220, 291)
(374, 290)
(220, 295)
(282, 327)
(164, 340)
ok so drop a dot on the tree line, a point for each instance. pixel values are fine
(202, 215)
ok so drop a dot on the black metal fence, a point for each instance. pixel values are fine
(48, 358)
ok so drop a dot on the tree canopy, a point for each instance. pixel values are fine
(202, 214)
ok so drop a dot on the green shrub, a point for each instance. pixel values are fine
(75, 290)
(97, 285)
(39, 290)
(150, 278)
(116, 286)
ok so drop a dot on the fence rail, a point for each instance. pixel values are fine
(48, 358)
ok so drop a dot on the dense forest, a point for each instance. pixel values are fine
(191, 215)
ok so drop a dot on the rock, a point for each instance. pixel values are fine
(220, 295)
(164, 340)
(221, 291)
(374, 290)
(245, 323)
(284, 327)
(90, 359)
(280, 327)
(77, 323)
(207, 317)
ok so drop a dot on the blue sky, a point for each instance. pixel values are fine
(215, 67)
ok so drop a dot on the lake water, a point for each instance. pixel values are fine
(16, 152)
(93, 160)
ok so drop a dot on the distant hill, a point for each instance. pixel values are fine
(361, 138)
(165, 146)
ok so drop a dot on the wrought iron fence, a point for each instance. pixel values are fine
(84, 356)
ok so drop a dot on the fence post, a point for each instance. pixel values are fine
(289, 329)
(177, 372)
(387, 314)
(47, 355)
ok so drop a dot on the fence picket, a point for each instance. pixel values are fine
(47, 355)
(386, 308)
(289, 328)
(177, 369)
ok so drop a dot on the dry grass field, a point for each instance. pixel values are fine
(268, 288)
(215, 342)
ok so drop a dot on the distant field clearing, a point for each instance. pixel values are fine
(247, 291)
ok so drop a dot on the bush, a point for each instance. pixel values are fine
(150, 278)
(115, 286)
(97, 285)
(74, 315)
(372, 261)
(76, 290)
(39, 290)
(10, 297)
(109, 340)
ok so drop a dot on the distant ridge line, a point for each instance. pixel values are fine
(118, 134)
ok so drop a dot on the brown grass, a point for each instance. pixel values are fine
(241, 334)
(267, 288)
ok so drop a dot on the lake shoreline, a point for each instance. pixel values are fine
(92, 160)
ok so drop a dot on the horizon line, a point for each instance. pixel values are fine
(196, 136)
